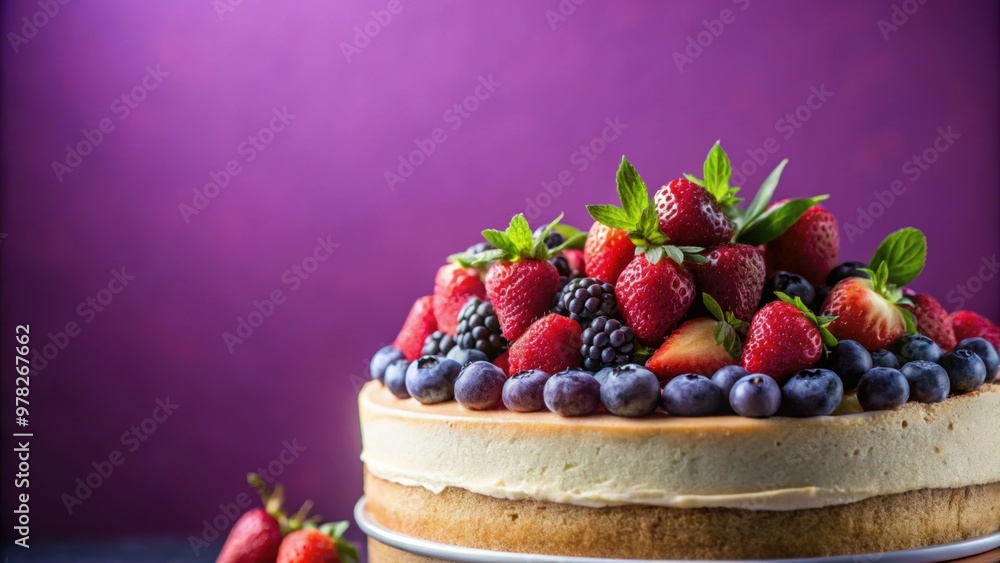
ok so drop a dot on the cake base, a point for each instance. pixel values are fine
(886, 523)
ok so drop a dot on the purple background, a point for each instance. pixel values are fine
(296, 377)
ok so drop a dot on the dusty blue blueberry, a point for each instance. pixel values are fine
(986, 352)
(966, 370)
(912, 347)
(395, 378)
(724, 379)
(850, 360)
(431, 379)
(885, 359)
(465, 357)
(523, 392)
(479, 386)
(382, 359)
(630, 390)
(692, 395)
(602, 374)
(883, 389)
(812, 392)
(928, 381)
(572, 393)
(755, 395)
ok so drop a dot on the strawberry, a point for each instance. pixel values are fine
(503, 362)
(932, 320)
(690, 215)
(785, 337)
(809, 247)
(692, 348)
(967, 324)
(419, 324)
(551, 344)
(521, 282)
(454, 284)
(652, 296)
(607, 252)
(317, 545)
(870, 311)
(734, 275)
(256, 536)
(577, 261)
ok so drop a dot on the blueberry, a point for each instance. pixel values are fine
(812, 392)
(692, 395)
(928, 381)
(986, 352)
(755, 395)
(630, 390)
(912, 347)
(850, 360)
(523, 392)
(395, 378)
(382, 359)
(724, 380)
(431, 379)
(885, 359)
(883, 389)
(465, 357)
(846, 270)
(554, 238)
(966, 370)
(479, 386)
(791, 284)
(572, 393)
(602, 374)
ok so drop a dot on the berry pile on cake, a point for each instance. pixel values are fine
(685, 305)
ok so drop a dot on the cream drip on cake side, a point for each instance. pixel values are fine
(774, 464)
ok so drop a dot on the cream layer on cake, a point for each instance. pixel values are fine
(773, 464)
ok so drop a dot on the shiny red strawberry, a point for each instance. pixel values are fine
(253, 539)
(551, 344)
(967, 324)
(691, 348)
(734, 276)
(453, 286)
(932, 320)
(809, 247)
(784, 337)
(607, 252)
(317, 545)
(690, 216)
(521, 282)
(864, 314)
(652, 297)
(419, 324)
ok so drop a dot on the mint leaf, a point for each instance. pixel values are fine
(632, 191)
(713, 306)
(775, 221)
(717, 171)
(519, 233)
(612, 216)
(904, 253)
(911, 322)
(694, 179)
(499, 239)
(764, 194)
(673, 253)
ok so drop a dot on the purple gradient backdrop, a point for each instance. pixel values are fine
(296, 377)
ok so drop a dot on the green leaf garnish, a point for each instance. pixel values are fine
(770, 224)
(764, 194)
(569, 233)
(518, 242)
(727, 330)
(821, 323)
(904, 252)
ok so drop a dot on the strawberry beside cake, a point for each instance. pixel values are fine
(691, 379)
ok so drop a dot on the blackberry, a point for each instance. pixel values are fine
(438, 344)
(607, 343)
(565, 274)
(479, 328)
(553, 239)
(586, 299)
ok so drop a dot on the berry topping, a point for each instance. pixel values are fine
(524, 391)
(454, 284)
(381, 360)
(932, 320)
(809, 247)
(572, 393)
(850, 360)
(917, 347)
(883, 389)
(607, 252)
(395, 379)
(551, 344)
(966, 370)
(420, 323)
(928, 381)
(967, 324)
(630, 390)
(479, 328)
(438, 343)
(431, 379)
(725, 378)
(785, 337)
(812, 392)
(986, 352)
(885, 359)
(480, 386)
(847, 270)
(606, 343)
(692, 394)
(790, 284)
(690, 215)
(734, 276)
(465, 357)
(585, 299)
(756, 396)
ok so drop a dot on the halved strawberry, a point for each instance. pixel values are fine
(932, 320)
(607, 252)
(454, 284)
(521, 282)
(419, 324)
(691, 348)
(967, 324)
(551, 344)
(808, 248)
(734, 276)
(785, 337)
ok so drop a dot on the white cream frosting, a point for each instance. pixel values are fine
(773, 464)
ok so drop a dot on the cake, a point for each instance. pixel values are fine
(688, 380)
